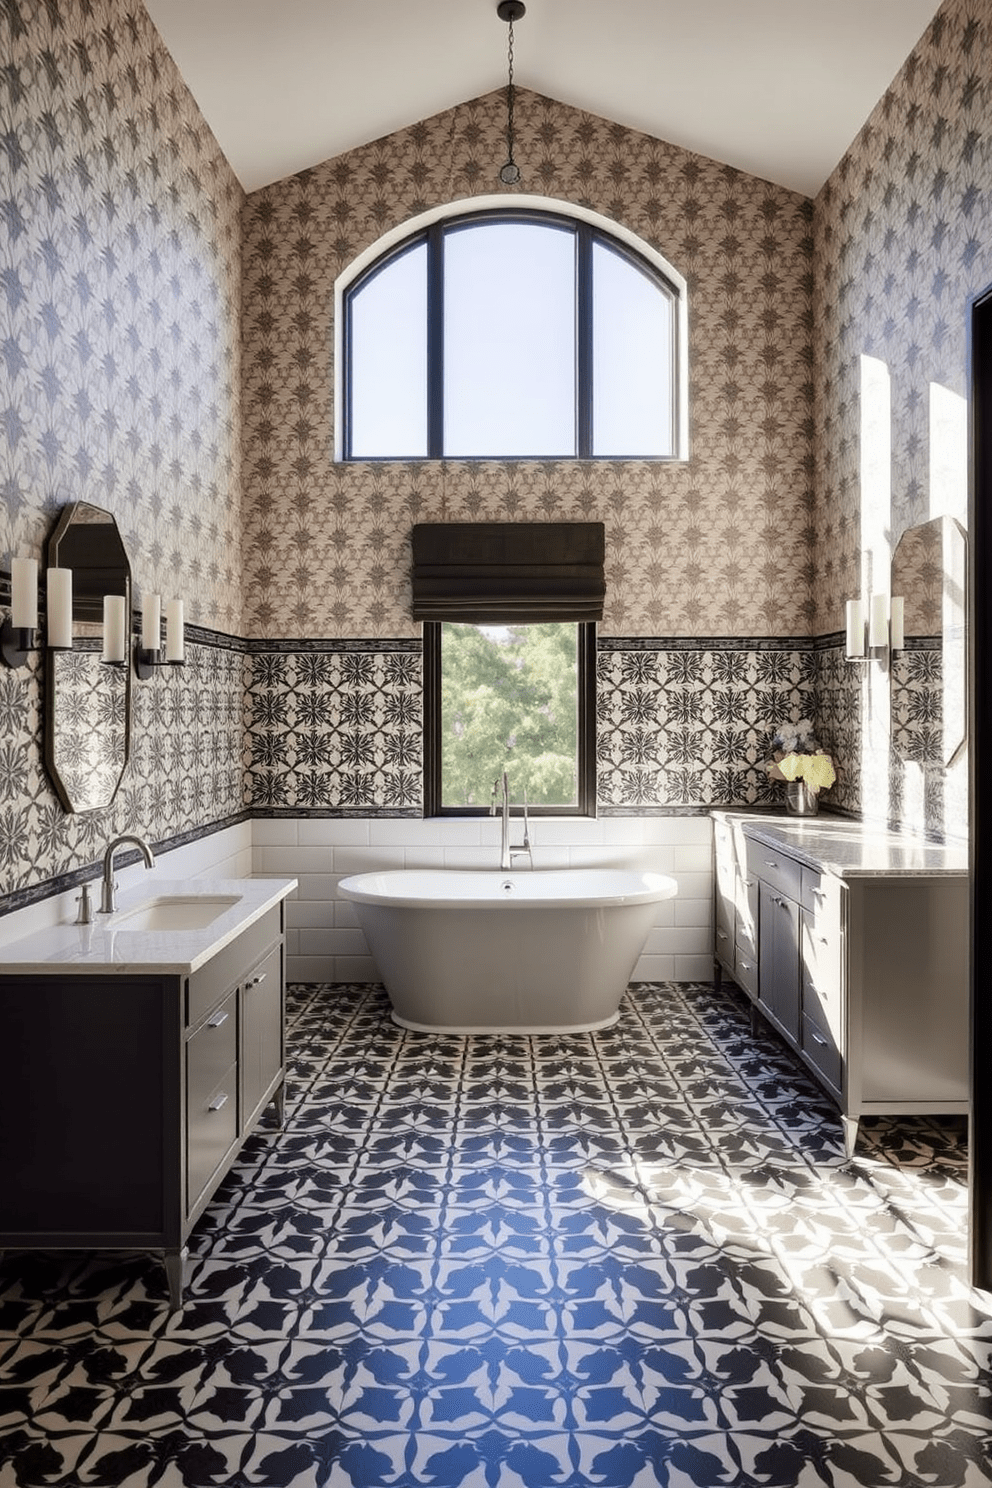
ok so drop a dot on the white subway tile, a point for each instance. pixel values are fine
(355, 969)
(312, 913)
(694, 912)
(332, 943)
(293, 860)
(344, 914)
(464, 831)
(693, 858)
(403, 832)
(471, 857)
(366, 859)
(567, 831)
(275, 832)
(654, 969)
(694, 885)
(623, 829)
(318, 885)
(423, 857)
(310, 969)
(694, 968)
(331, 831)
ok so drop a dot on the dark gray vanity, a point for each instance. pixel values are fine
(136, 1055)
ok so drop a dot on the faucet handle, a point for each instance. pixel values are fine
(85, 912)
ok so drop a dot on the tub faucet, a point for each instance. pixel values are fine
(108, 900)
(506, 852)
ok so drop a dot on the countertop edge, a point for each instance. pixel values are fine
(270, 892)
(775, 832)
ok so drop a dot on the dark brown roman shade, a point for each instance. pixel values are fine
(504, 573)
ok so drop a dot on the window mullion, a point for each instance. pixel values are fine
(583, 342)
(435, 342)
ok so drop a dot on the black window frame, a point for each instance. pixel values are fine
(586, 236)
(586, 734)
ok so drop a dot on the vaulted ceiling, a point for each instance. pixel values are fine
(778, 88)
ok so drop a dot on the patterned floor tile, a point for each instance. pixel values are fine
(630, 1258)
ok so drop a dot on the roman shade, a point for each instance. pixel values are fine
(504, 573)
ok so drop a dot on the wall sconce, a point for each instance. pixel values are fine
(885, 629)
(148, 653)
(18, 635)
(114, 630)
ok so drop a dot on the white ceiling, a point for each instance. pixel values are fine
(778, 88)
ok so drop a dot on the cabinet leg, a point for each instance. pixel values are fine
(717, 975)
(175, 1267)
(279, 1101)
(850, 1125)
(755, 1019)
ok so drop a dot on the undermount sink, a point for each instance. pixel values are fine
(174, 912)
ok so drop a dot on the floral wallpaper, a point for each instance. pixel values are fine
(120, 277)
(718, 545)
(902, 241)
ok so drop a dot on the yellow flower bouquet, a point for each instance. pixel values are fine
(797, 757)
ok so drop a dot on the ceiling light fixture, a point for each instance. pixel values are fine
(510, 11)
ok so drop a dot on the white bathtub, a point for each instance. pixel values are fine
(487, 952)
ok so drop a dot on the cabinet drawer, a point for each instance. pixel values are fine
(210, 1051)
(224, 970)
(211, 1131)
(776, 868)
(746, 971)
(821, 1050)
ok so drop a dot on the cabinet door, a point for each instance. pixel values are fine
(778, 961)
(261, 1034)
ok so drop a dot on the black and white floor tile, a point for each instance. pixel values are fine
(625, 1258)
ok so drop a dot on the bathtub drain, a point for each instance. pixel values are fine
(508, 886)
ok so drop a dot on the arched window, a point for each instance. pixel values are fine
(513, 334)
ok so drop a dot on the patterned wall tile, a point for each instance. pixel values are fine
(690, 726)
(720, 544)
(335, 729)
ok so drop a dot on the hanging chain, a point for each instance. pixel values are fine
(509, 94)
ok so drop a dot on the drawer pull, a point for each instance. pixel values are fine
(216, 1019)
(721, 935)
(746, 965)
(258, 980)
(217, 1102)
(817, 1038)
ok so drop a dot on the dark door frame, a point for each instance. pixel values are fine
(980, 736)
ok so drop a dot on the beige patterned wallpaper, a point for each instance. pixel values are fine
(721, 545)
(119, 301)
(903, 233)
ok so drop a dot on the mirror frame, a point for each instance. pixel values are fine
(952, 635)
(87, 624)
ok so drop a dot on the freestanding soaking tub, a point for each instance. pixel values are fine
(485, 952)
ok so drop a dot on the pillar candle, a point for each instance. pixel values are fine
(175, 645)
(24, 593)
(59, 595)
(151, 621)
(897, 623)
(855, 629)
(878, 628)
(114, 631)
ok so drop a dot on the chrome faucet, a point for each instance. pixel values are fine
(108, 899)
(506, 852)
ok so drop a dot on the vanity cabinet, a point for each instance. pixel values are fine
(128, 1096)
(860, 958)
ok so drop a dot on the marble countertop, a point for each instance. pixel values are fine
(109, 946)
(852, 849)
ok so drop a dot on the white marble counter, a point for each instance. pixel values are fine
(109, 946)
(852, 849)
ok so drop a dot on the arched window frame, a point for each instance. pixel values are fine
(503, 208)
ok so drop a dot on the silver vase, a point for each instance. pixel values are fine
(800, 799)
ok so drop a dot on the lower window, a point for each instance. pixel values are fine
(518, 698)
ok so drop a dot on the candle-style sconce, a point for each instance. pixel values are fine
(19, 632)
(148, 653)
(884, 632)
